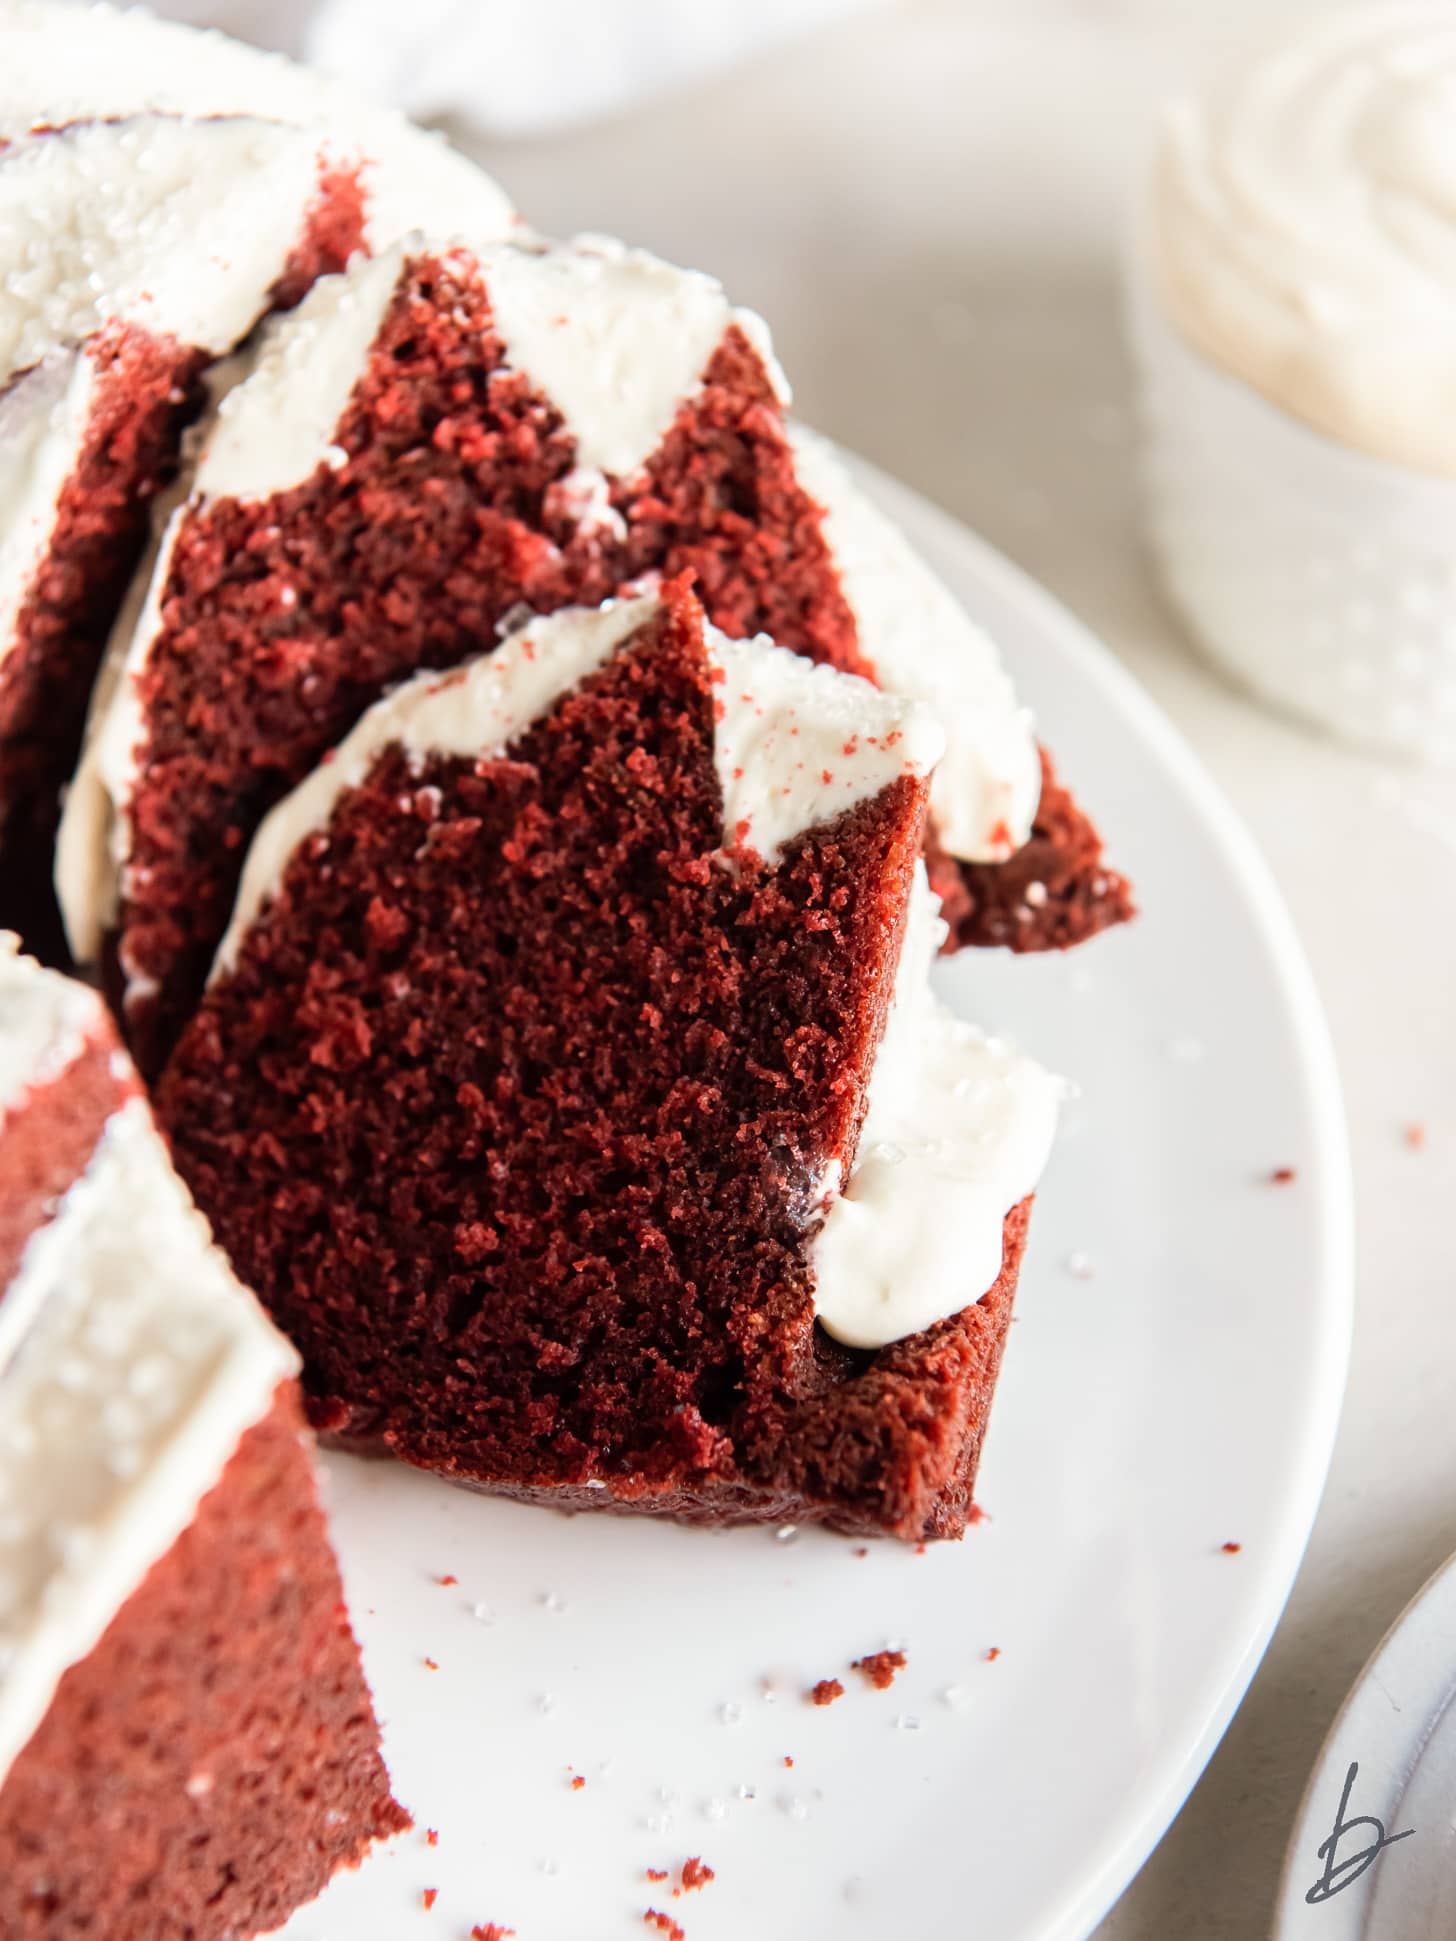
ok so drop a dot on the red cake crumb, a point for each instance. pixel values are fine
(656, 1873)
(656, 1132)
(1231, 1549)
(1415, 1136)
(429, 1897)
(880, 1668)
(993, 1654)
(861, 1550)
(432, 1838)
(1283, 1176)
(444, 515)
(489, 1931)
(577, 1782)
(430, 1665)
(448, 1579)
(664, 1923)
(788, 1759)
(1054, 892)
(696, 1874)
(826, 1691)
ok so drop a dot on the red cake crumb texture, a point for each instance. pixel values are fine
(577, 1782)
(1057, 891)
(1231, 1549)
(696, 1874)
(449, 511)
(448, 1579)
(429, 1897)
(432, 1838)
(535, 959)
(1415, 1136)
(100, 1831)
(489, 1931)
(1283, 1176)
(665, 1924)
(826, 1691)
(993, 1654)
(657, 1873)
(880, 1668)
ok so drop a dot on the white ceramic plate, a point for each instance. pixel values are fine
(1375, 1840)
(1171, 1385)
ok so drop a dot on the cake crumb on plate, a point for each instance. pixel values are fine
(880, 1667)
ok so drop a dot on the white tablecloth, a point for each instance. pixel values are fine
(926, 205)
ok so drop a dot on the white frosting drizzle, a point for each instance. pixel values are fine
(44, 413)
(481, 708)
(179, 227)
(275, 425)
(93, 841)
(922, 643)
(46, 1022)
(797, 743)
(615, 337)
(131, 1363)
(957, 1130)
(63, 62)
(1302, 226)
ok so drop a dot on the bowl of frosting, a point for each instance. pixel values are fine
(1291, 298)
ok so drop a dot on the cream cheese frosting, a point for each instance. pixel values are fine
(1301, 228)
(46, 1022)
(922, 643)
(44, 416)
(131, 1363)
(957, 1131)
(783, 729)
(615, 337)
(178, 227)
(64, 62)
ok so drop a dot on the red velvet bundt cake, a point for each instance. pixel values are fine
(186, 1742)
(430, 446)
(544, 1088)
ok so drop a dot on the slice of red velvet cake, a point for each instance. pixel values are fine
(430, 446)
(135, 246)
(187, 1745)
(570, 1087)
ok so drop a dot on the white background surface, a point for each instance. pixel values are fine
(926, 205)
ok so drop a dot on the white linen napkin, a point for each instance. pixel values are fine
(515, 67)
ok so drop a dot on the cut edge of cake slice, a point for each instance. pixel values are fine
(785, 803)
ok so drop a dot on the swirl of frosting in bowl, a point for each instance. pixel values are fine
(1302, 229)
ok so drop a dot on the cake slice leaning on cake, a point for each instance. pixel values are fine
(570, 1087)
(446, 437)
(187, 1744)
(159, 191)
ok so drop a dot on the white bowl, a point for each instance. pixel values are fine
(1319, 577)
